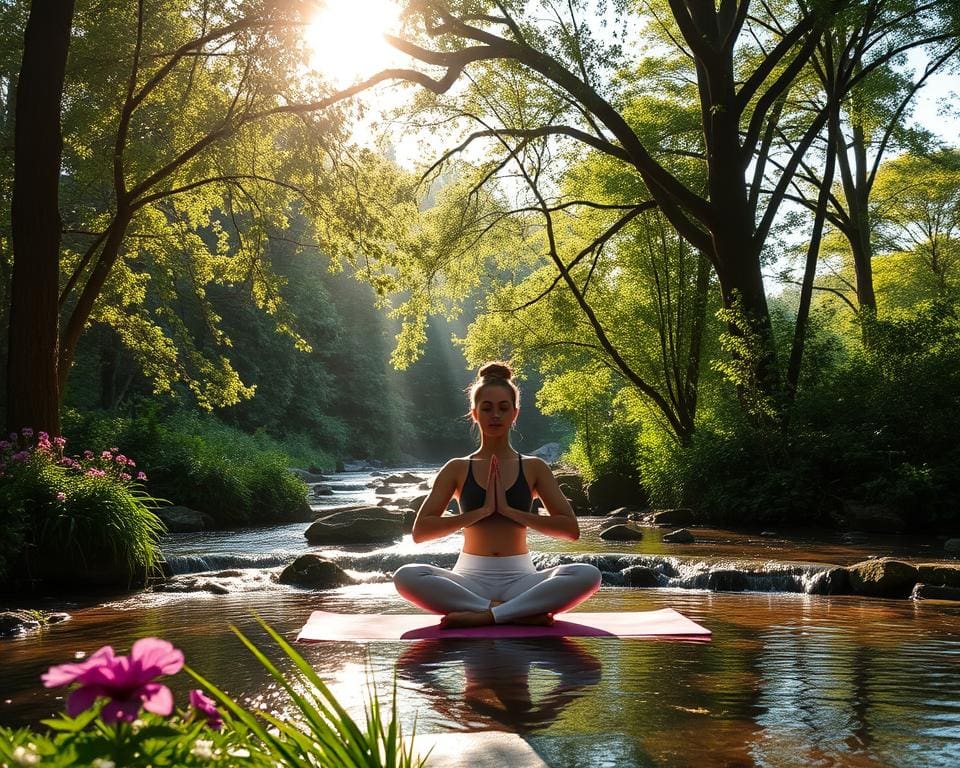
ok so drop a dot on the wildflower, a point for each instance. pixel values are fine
(142, 477)
(59, 441)
(102, 762)
(127, 681)
(124, 476)
(95, 473)
(26, 755)
(21, 456)
(206, 707)
(120, 459)
(202, 749)
(106, 455)
(4, 445)
(61, 496)
(27, 432)
(88, 455)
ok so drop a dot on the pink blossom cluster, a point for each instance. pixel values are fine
(20, 448)
(128, 683)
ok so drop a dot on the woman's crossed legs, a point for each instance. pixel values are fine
(509, 589)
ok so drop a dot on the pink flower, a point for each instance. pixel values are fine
(120, 459)
(127, 681)
(95, 473)
(21, 456)
(59, 441)
(106, 455)
(88, 454)
(61, 496)
(142, 477)
(206, 707)
(124, 476)
(27, 432)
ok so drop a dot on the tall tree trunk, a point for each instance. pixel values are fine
(33, 391)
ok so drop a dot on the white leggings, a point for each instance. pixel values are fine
(477, 580)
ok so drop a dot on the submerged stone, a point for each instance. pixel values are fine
(640, 576)
(678, 516)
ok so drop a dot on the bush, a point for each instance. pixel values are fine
(199, 462)
(84, 518)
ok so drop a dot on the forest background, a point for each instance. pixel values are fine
(205, 265)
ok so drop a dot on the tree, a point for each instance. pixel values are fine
(32, 374)
(253, 138)
(742, 66)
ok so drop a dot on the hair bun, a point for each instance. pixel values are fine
(495, 370)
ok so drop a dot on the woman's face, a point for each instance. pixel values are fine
(494, 411)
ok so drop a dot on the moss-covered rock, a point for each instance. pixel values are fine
(883, 577)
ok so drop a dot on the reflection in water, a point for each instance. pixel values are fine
(503, 683)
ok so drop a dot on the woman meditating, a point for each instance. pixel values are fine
(494, 580)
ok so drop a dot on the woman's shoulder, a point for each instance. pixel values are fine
(535, 464)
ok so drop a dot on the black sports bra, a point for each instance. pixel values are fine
(518, 495)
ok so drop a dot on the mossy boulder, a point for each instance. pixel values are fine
(621, 533)
(883, 577)
(937, 574)
(672, 517)
(315, 572)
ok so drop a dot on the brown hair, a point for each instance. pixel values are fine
(496, 373)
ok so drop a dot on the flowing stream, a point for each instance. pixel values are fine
(790, 678)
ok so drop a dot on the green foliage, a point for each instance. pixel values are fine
(74, 519)
(198, 461)
(321, 733)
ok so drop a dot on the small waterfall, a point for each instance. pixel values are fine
(184, 564)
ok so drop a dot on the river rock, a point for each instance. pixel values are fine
(407, 478)
(883, 577)
(621, 513)
(18, 623)
(180, 519)
(307, 477)
(612, 490)
(621, 532)
(952, 545)
(640, 576)
(833, 581)
(315, 572)
(681, 536)
(874, 518)
(944, 575)
(571, 483)
(384, 490)
(365, 511)
(356, 530)
(934, 592)
(320, 489)
(672, 517)
(727, 581)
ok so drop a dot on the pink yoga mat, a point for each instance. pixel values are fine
(665, 623)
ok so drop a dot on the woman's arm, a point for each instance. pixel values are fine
(559, 522)
(430, 522)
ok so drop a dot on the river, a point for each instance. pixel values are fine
(789, 678)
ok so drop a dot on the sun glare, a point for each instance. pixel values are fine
(346, 39)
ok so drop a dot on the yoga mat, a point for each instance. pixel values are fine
(665, 623)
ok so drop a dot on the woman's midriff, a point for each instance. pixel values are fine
(495, 537)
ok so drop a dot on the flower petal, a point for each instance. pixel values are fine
(63, 674)
(119, 709)
(156, 657)
(83, 698)
(157, 698)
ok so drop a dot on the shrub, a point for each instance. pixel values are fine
(84, 517)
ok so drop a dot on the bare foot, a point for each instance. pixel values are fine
(458, 619)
